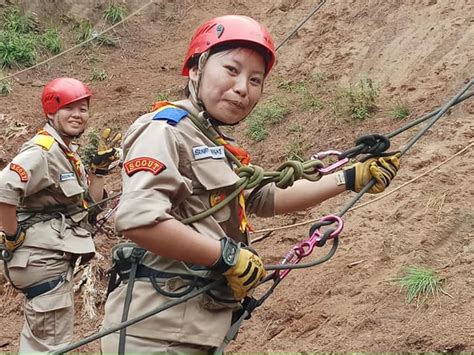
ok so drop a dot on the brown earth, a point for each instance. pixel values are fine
(420, 52)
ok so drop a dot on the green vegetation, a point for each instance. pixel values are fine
(297, 147)
(400, 111)
(5, 87)
(82, 30)
(17, 49)
(21, 40)
(51, 40)
(99, 75)
(88, 151)
(270, 112)
(358, 101)
(420, 283)
(17, 22)
(114, 13)
(307, 90)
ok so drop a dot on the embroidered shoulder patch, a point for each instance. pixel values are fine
(44, 141)
(20, 171)
(171, 114)
(143, 164)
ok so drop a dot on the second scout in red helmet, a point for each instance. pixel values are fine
(61, 92)
(228, 29)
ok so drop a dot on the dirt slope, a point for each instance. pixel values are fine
(420, 52)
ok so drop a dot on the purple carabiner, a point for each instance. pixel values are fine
(332, 167)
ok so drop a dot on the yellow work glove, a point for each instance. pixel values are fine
(13, 242)
(383, 170)
(242, 267)
(107, 153)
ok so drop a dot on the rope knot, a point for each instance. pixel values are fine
(253, 173)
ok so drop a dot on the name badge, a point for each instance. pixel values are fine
(67, 176)
(203, 152)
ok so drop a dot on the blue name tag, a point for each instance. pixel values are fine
(67, 176)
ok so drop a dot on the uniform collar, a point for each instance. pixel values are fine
(57, 137)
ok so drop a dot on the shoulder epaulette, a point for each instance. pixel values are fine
(171, 114)
(45, 142)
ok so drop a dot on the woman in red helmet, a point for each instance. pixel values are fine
(44, 193)
(177, 165)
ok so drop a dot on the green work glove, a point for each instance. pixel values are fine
(383, 170)
(13, 242)
(241, 266)
(107, 153)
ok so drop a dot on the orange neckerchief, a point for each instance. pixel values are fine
(73, 159)
(244, 158)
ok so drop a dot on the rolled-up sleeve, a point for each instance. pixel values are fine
(152, 183)
(263, 202)
(24, 176)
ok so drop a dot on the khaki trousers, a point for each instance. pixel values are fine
(49, 318)
(110, 343)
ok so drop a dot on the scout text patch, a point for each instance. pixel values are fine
(203, 152)
(143, 164)
(67, 176)
(20, 171)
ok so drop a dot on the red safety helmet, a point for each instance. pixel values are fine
(61, 92)
(227, 29)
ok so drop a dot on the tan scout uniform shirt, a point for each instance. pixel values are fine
(179, 186)
(43, 177)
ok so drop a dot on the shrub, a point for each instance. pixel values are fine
(17, 48)
(88, 151)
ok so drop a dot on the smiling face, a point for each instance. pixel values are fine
(71, 120)
(231, 83)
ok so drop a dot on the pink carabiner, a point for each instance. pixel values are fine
(306, 247)
(332, 167)
(317, 236)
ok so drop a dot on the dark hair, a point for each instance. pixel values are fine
(229, 46)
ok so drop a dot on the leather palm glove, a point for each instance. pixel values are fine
(383, 170)
(241, 266)
(13, 242)
(107, 153)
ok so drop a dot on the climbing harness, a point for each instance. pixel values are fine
(328, 228)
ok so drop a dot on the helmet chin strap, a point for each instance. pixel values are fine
(61, 131)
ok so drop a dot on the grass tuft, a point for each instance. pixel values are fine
(270, 112)
(358, 101)
(82, 30)
(419, 283)
(99, 75)
(5, 87)
(51, 40)
(114, 13)
(400, 111)
(15, 21)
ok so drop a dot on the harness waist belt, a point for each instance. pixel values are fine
(145, 271)
(33, 291)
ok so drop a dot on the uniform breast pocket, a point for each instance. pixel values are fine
(71, 188)
(217, 179)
